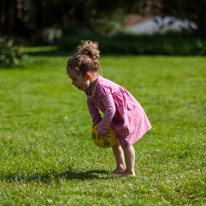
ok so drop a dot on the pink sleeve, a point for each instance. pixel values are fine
(94, 112)
(110, 110)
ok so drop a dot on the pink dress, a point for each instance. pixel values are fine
(121, 111)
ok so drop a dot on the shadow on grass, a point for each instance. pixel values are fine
(50, 177)
(63, 53)
(52, 53)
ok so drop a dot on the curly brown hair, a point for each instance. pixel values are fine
(86, 59)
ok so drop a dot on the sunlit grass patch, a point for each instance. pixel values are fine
(47, 154)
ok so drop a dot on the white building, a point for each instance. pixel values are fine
(150, 25)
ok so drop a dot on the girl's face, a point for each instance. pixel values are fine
(79, 81)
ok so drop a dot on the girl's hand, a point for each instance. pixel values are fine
(104, 136)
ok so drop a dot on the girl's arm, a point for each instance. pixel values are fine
(109, 113)
(94, 112)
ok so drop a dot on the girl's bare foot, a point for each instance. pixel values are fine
(118, 171)
(128, 174)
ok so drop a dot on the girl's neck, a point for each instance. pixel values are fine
(93, 83)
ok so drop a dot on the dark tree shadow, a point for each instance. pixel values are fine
(68, 174)
(52, 53)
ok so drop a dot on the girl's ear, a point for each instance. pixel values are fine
(89, 76)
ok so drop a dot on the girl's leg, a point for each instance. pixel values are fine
(119, 156)
(129, 154)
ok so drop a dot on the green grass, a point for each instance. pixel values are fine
(46, 153)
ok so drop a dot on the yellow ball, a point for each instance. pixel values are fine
(100, 142)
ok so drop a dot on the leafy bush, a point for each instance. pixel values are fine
(124, 43)
(10, 54)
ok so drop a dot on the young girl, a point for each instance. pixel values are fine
(121, 110)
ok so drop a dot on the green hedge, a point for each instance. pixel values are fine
(123, 43)
(10, 54)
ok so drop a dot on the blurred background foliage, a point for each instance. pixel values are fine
(28, 17)
(65, 22)
(10, 54)
(123, 43)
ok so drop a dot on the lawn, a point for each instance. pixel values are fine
(47, 156)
